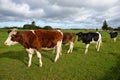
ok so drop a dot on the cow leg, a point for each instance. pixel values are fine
(54, 50)
(98, 45)
(59, 44)
(60, 48)
(39, 57)
(114, 39)
(71, 47)
(86, 48)
(30, 59)
(30, 53)
(99, 42)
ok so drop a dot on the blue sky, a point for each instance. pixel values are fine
(60, 13)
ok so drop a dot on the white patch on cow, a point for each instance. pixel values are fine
(93, 41)
(60, 32)
(30, 51)
(48, 48)
(33, 31)
(8, 41)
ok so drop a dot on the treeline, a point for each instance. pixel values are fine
(30, 26)
(105, 26)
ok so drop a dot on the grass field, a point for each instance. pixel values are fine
(103, 65)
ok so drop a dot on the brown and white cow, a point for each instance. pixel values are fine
(69, 38)
(34, 40)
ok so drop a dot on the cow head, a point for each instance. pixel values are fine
(79, 35)
(11, 37)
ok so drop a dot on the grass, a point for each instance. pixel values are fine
(103, 65)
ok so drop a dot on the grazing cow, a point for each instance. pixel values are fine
(34, 40)
(90, 37)
(113, 35)
(69, 38)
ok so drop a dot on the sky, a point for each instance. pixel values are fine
(60, 13)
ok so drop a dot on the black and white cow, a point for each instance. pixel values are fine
(89, 38)
(113, 35)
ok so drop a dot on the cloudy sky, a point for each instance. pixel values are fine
(60, 13)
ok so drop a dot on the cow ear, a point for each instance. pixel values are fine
(77, 33)
(9, 31)
(80, 33)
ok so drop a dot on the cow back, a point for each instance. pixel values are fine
(68, 37)
(48, 38)
(113, 34)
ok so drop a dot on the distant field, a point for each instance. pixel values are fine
(103, 65)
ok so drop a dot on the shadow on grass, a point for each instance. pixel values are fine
(23, 56)
(114, 72)
(49, 54)
(18, 55)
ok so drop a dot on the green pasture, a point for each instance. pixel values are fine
(102, 65)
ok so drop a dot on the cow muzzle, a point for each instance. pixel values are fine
(5, 44)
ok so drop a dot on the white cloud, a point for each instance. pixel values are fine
(20, 9)
(61, 11)
(8, 5)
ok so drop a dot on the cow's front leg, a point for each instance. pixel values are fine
(30, 54)
(86, 48)
(30, 59)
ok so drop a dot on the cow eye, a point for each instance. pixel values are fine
(13, 36)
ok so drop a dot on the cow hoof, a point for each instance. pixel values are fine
(28, 66)
(55, 60)
(40, 65)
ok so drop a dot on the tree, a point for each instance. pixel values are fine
(33, 23)
(31, 26)
(105, 25)
(48, 27)
(110, 28)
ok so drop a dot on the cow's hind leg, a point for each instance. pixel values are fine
(71, 47)
(39, 57)
(59, 44)
(99, 44)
